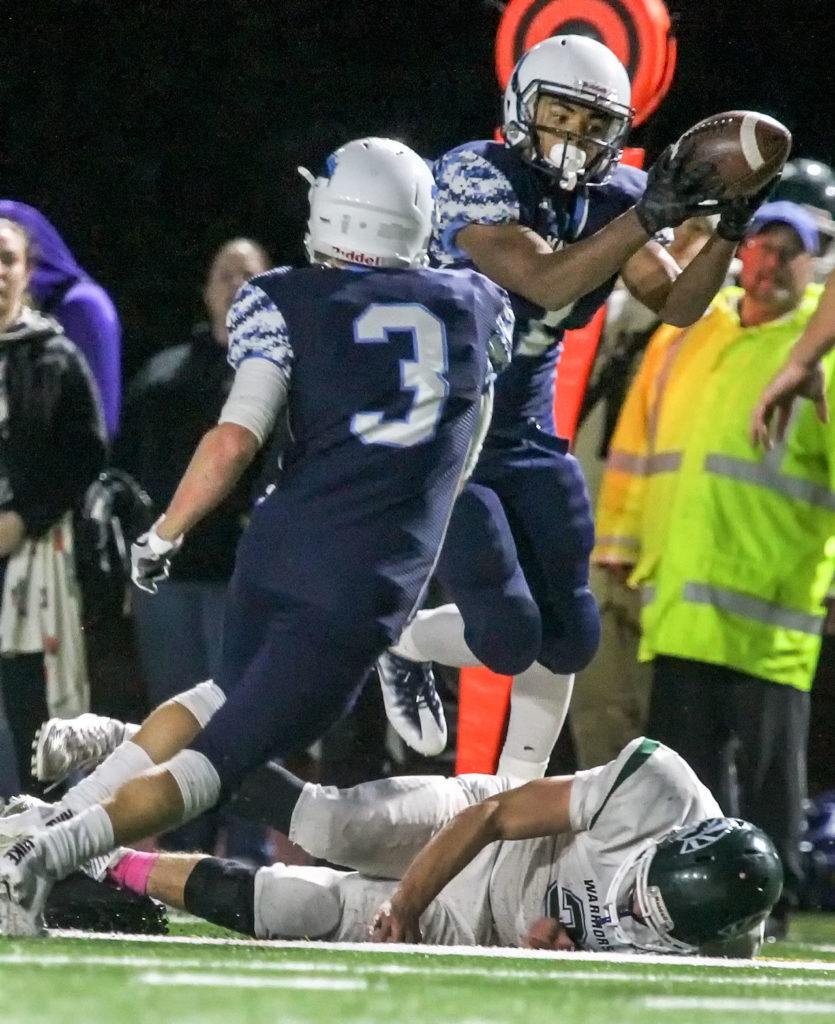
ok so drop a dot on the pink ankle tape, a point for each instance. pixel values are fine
(133, 870)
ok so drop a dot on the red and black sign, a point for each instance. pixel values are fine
(637, 31)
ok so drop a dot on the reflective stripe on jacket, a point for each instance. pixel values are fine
(733, 548)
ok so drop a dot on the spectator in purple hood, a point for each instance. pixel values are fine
(62, 289)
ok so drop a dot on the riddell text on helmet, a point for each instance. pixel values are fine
(356, 257)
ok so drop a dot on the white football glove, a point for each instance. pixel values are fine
(150, 558)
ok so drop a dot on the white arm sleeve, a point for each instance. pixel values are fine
(259, 393)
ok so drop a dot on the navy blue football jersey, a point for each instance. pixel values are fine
(385, 370)
(488, 183)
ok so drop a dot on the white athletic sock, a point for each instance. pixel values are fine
(539, 703)
(126, 762)
(65, 847)
(436, 634)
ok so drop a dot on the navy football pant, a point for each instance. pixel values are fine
(516, 559)
(286, 678)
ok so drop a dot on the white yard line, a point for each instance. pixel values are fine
(486, 952)
(166, 963)
(203, 979)
(751, 1006)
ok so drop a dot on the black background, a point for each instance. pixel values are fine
(152, 131)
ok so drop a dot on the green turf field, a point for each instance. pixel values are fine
(198, 976)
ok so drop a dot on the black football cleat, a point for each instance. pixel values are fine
(83, 903)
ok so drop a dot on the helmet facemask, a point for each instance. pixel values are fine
(637, 915)
(578, 71)
(577, 158)
(712, 882)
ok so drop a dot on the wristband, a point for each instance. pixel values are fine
(157, 544)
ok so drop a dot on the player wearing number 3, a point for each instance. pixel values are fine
(383, 368)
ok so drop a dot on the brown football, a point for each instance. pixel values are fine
(747, 149)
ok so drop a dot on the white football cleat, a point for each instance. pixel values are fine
(412, 704)
(23, 889)
(23, 814)
(64, 745)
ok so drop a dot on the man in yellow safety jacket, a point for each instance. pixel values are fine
(733, 549)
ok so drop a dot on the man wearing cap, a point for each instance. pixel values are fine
(733, 549)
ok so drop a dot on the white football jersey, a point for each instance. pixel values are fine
(616, 810)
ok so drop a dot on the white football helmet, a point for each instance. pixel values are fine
(579, 70)
(373, 206)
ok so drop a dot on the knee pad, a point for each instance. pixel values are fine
(507, 635)
(197, 780)
(571, 635)
(296, 902)
(223, 892)
(202, 701)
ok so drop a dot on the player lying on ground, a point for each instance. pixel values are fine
(381, 366)
(617, 858)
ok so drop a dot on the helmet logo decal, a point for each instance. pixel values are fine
(594, 87)
(704, 834)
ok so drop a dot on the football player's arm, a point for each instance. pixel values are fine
(219, 462)
(679, 297)
(801, 376)
(260, 351)
(539, 808)
(258, 394)
(522, 261)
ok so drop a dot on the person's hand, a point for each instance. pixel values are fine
(395, 922)
(150, 558)
(678, 188)
(794, 380)
(737, 214)
(618, 572)
(12, 532)
(548, 933)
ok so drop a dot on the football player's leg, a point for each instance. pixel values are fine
(176, 722)
(550, 516)
(495, 620)
(479, 568)
(289, 694)
(378, 827)
(497, 623)
(278, 902)
(167, 730)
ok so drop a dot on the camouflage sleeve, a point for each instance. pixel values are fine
(257, 329)
(469, 190)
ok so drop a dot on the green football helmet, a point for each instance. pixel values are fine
(704, 884)
(808, 182)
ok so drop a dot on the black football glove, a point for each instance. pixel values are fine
(678, 188)
(737, 214)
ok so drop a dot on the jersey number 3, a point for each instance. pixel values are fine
(424, 375)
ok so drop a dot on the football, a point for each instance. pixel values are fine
(747, 149)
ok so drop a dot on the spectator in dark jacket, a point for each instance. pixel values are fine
(174, 399)
(51, 448)
(62, 289)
